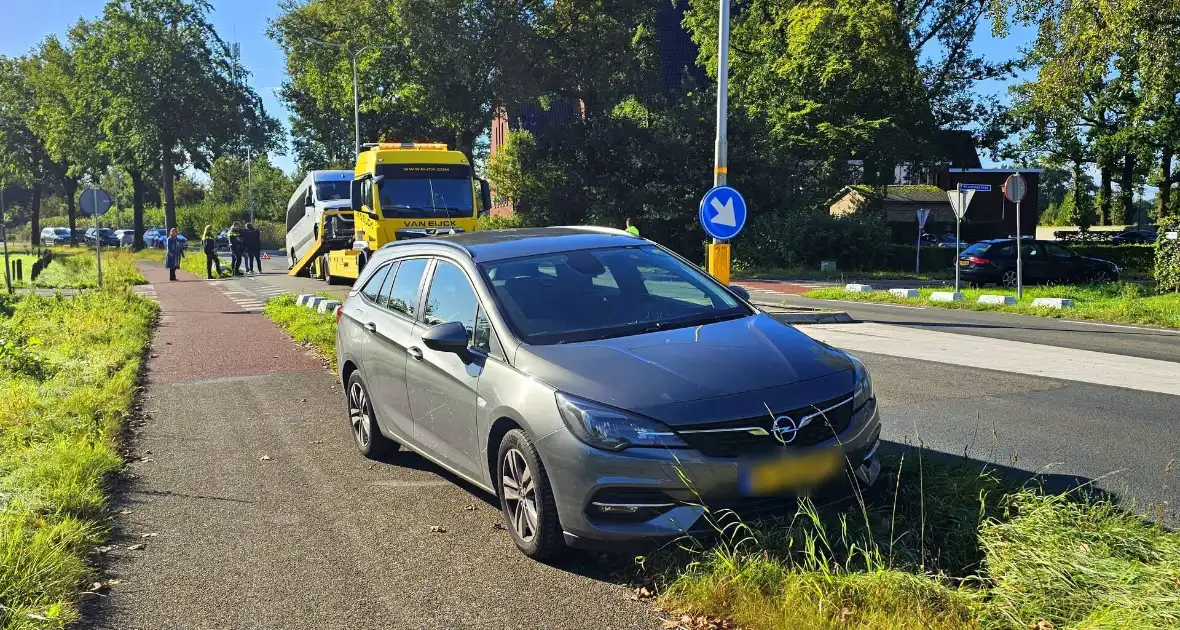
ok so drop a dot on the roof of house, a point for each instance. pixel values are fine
(899, 193)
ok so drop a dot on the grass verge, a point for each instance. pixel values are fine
(1117, 302)
(193, 261)
(946, 546)
(306, 326)
(69, 368)
(78, 269)
(803, 273)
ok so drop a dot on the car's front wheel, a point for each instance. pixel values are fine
(526, 499)
(1101, 276)
(365, 432)
(1009, 279)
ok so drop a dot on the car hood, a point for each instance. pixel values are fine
(655, 372)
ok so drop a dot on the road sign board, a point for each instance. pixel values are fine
(1015, 188)
(960, 201)
(923, 214)
(979, 187)
(723, 213)
(94, 201)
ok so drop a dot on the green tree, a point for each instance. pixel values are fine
(171, 87)
(23, 157)
(271, 187)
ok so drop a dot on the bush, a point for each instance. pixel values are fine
(494, 222)
(797, 239)
(1138, 258)
(901, 258)
(1167, 256)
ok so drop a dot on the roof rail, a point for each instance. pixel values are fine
(429, 241)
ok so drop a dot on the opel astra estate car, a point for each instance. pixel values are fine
(604, 389)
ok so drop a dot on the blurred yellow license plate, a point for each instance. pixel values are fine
(790, 471)
(964, 263)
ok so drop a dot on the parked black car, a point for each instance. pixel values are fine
(994, 262)
(104, 235)
(1138, 235)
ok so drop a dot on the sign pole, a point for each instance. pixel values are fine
(97, 236)
(918, 258)
(4, 236)
(718, 262)
(958, 249)
(1019, 258)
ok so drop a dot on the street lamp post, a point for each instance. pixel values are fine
(356, 101)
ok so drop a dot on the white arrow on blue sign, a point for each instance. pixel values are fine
(723, 213)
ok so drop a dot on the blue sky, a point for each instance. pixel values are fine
(26, 22)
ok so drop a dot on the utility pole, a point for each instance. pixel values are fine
(250, 183)
(356, 99)
(719, 256)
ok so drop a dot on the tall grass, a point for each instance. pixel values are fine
(78, 269)
(305, 325)
(69, 368)
(937, 545)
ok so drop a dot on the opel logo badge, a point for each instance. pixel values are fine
(784, 429)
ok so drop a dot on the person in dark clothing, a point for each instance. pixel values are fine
(209, 242)
(175, 253)
(236, 248)
(253, 240)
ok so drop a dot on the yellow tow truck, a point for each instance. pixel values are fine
(401, 191)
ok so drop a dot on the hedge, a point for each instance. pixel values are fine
(1167, 256)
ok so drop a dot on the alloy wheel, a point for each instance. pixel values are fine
(1101, 277)
(520, 495)
(1009, 279)
(360, 414)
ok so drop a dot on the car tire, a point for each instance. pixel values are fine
(1008, 279)
(530, 518)
(1101, 277)
(362, 423)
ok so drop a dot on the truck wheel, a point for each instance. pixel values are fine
(325, 275)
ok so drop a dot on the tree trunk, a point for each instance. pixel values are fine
(168, 175)
(1165, 194)
(137, 208)
(1078, 211)
(35, 207)
(1104, 196)
(71, 186)
(1127, 194)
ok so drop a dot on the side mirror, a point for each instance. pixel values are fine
(485, 196)
(448, 337)
(740, 291)
(357, 202)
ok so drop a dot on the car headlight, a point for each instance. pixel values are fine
(613, 429)
(862, 390)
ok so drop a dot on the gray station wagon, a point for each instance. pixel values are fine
(603, 388)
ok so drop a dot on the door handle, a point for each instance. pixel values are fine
(371, 327)
(415, 353)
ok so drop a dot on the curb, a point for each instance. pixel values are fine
(803, 314)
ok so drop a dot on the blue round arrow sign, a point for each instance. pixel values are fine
(723, 213)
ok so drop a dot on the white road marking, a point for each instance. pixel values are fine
(1018, 357)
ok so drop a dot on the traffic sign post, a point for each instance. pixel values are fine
(1014, 190)
(718, 262)
(722, 215)
(95, 202)
(923, 214)
(960, 199)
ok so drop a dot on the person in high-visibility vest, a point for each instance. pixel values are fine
(631, 228)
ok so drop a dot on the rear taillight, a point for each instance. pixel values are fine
(979, 261)
(339, 313)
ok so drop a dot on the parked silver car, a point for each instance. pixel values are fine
(600, 386)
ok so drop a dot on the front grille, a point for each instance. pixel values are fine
(754, 436)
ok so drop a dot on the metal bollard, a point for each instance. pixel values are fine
(20, 271)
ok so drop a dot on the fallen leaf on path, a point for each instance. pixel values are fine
(124, 511)
(136, 547)
(302, 400)
(471, 507)
(265, 458)
(498, 526)
(149, 535)
(105, 549)
(438, 529)
(642, 593)
(1044, 624)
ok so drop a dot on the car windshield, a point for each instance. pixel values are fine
(333, 191)
(976, 249)
(585, 295)
(426, 192)
(61, 232)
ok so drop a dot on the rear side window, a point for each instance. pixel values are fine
(402, 294)
(451, 298)
(977, 249)
(372, 288)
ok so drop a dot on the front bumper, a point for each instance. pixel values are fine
(657, 495)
